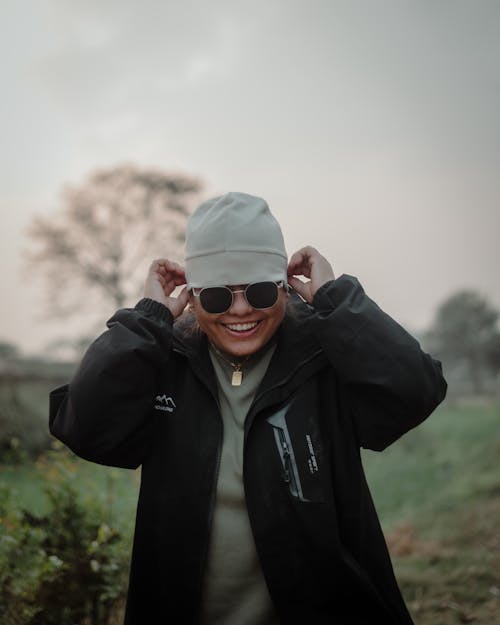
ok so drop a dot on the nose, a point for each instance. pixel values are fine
(240, 306)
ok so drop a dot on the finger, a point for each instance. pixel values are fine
(165, 266)
(304, 253)
(174, 267)
(180, 279)
(300, 263)
(302, 288)
(296, 259)
(169, 282)
(300, 270)
(177, 278)
(179, 303)
(183, 297)
(171, 274)
(154, 267)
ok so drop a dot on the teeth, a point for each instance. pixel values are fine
(241, 327)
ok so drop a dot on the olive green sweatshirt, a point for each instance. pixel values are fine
(234, 591)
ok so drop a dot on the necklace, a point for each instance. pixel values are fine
(237, 376)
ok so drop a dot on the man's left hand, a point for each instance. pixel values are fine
(308, 262)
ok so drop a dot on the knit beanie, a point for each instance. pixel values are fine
(234, 239)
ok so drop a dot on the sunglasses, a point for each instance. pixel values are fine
(219, 299)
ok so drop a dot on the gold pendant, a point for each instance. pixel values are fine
(236, 379)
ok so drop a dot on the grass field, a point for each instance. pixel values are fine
(438, 495)
(437, 491)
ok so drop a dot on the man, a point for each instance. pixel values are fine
(247, 415)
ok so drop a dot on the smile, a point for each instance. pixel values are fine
(241, 327)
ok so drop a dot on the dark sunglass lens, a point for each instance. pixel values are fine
(262, 294)
(216, 299)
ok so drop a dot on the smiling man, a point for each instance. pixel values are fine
(253, 509)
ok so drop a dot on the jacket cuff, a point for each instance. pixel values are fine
(154, 309)
(331, 294)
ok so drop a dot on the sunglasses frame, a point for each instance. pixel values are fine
(281, 284)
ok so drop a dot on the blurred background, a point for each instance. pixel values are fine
(372, 130)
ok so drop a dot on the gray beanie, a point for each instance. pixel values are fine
(234, 239)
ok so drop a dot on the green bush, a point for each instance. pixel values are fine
(65, 567)
(24, 566)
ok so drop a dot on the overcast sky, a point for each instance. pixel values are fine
(371, 128)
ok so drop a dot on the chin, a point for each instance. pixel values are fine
(241, 350)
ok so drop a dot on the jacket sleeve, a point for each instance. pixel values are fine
(104, 414)
(391, 384)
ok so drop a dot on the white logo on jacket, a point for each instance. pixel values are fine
(312, 462)
(164, 403)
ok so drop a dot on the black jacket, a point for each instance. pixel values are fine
(344, 375)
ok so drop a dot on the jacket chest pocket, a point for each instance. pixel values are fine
(301, 451)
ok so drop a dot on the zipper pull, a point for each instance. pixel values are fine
(286, 458)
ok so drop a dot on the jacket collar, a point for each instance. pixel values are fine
(298, 356)
(193, 344)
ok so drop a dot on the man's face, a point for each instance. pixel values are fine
(241, 330)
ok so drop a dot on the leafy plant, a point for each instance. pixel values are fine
(65, 567)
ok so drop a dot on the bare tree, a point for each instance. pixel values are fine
(93, 250)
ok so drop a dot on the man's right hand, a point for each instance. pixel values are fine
(163, 277)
